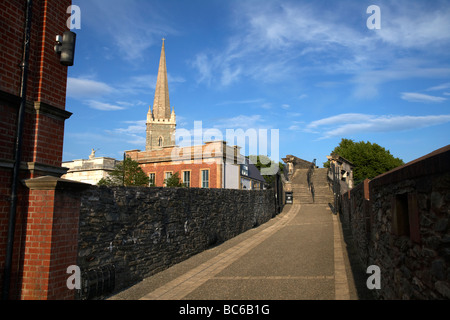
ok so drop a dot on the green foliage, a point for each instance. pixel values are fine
(263, 161)
(174, 181)
(370, 159)
(134, 176)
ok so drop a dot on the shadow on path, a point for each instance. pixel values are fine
(356, 268)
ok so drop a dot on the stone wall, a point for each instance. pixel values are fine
(141, 231)
(404, 227)
(356, 215)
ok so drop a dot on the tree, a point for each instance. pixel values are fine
(126, 173)
(174, 181)
(370, 159)
(263, 161)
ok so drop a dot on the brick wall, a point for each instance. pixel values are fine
(140, 231)
(404, 227)
(51, 235)
(45, 113)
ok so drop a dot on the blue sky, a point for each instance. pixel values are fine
(311, 69)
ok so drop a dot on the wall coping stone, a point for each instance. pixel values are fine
(54, 183)
(435, 162)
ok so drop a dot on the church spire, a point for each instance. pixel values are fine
(161, 104)
(161, 122)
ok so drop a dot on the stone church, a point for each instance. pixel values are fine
(161, 122)
(213, 164)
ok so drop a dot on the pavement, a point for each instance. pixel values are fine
(301, 254)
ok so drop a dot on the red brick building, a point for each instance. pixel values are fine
(41, 248)
(212, 165)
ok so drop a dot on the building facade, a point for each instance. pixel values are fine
(212, 165)
(341, 172)
(90, 170)
(250, 177)
(32, 116)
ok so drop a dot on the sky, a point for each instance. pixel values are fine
(300, 74)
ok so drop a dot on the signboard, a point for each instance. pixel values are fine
(289, 197)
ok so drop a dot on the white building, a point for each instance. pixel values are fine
(89, 170)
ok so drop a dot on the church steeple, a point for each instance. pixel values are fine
(161, 103)
(161, 122)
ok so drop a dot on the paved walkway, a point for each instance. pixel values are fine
(298, 255)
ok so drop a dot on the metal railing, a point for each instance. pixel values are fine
(309, 179)
(336, 187)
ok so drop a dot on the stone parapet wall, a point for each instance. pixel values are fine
(141, 231)
(404, 228)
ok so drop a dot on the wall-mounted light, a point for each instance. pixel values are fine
(65, 47)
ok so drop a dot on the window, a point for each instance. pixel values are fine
(400, 219)
(405, 216)
(167, 175)
(152, 181)
(205, 178)
(187, 178)
(160, 142)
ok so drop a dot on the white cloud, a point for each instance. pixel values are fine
(80, 88)
(204, 66)
(138, 126)
(440, 87)
(420, 97)
(241, 122)
(103, 106)
(329, 84)
(269, 37)
(133, 134)
(229, 76)
(415, 25)
(368, 82)
(274, 40)
(339, 119)
(347, 124)
(133, 25)
(249, 101)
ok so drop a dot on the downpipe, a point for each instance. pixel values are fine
(17, 152)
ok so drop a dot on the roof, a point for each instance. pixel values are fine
(337, 157)
(253, 172)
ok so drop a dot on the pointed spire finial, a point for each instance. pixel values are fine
(161, 103)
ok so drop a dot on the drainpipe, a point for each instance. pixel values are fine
(18, 153)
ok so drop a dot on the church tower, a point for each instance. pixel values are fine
(161, 122)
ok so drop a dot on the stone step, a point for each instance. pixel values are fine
(316, 201)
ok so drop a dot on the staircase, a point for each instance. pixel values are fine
(301, 192)
(300, 189)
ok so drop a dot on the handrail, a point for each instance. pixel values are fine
(309, 179)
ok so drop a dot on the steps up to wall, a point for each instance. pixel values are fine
(301, 192)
